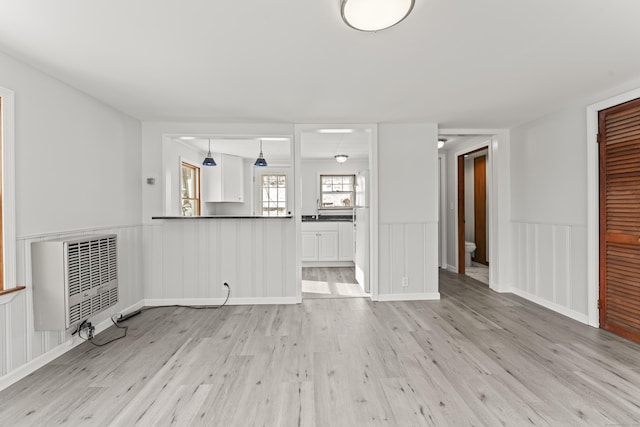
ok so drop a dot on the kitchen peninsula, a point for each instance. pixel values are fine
(189, 258)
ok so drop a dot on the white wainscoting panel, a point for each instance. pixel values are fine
(20, 344)
(190, 259)
(550, 266)
(408, 250)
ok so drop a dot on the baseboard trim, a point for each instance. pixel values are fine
(219, 301)
(452, 268)
(37, 363)
(575, 315)
(328, 263)
(430, 296)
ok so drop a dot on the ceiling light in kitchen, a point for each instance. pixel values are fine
(341, 158)
(335, 130)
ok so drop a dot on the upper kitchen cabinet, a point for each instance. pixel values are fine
(224, 182)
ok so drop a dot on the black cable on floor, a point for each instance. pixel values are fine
(195, 307)
(126, 328)
(90, 340)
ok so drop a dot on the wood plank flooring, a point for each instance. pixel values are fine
(475, 358)
(330, 282)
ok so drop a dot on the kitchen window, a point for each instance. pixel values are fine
(337, 191)
(190, 204)
(273, 191)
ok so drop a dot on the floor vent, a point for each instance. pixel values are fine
(73, 279)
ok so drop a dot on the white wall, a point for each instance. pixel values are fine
(408, 211)
(310, 172)
(549, 193)
(77, 167)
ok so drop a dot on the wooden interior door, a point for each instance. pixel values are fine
(619, 146)
(480, 208)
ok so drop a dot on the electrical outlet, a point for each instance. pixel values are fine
(405, 281)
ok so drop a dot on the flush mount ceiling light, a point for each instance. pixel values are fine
(208, 161)
(375, 15)
(260, 161)
(341, 158)
(441, 142)
(335, 130)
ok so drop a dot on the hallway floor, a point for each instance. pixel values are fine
(478, 271)
(330, 282)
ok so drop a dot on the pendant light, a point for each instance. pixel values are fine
(260, 161)
(208, 161)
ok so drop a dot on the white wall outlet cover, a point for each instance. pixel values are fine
(405, 281)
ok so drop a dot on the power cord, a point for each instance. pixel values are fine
(89, 338)
(87, 325)
(195, 307)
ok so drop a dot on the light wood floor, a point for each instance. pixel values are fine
(330, 282)
(473, 358)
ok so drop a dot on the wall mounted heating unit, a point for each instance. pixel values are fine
(73, 279)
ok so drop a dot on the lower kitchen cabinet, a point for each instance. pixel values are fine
(346, 245)
(327, 241)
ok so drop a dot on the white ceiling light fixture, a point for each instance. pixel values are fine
(441, 142)
(335, 130)
(341, 158)
(375, 15)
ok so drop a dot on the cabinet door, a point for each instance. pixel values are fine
(233, 179)
(345, 249)
(328, 246)
(309, 246)
(211, 184)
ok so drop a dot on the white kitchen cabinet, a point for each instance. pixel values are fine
(224, 182)
(327, 241)
(346, 244)
(309, 246)
(327, 246)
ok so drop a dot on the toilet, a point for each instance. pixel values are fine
(468, 248)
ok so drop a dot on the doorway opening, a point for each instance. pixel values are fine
(334, 178)
(473, 214)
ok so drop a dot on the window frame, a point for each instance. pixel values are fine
(261, 178)
(7, 183)
(352, 192)
(198, 190)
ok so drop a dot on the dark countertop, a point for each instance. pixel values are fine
(327, 218)
(221, 217)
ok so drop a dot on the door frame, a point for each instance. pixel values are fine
(593, 201)
(442, 162)
(372, 129)
(460, 198)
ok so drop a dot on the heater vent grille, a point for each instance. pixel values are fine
(83, 284)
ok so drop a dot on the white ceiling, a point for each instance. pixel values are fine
(465, 63)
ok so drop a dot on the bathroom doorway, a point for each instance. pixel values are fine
(473, 230)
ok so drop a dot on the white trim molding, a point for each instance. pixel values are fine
(8, 187)
(216, 302)
(575, 315)
(409, 297)
(593, 200)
